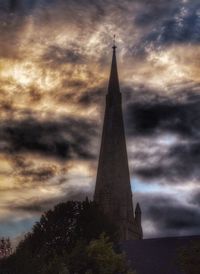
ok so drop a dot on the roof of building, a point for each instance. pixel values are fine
(156, 256)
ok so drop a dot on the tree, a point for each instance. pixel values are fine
(58, 233)
(97, 257)
(58, 230)
(55, 266)
(103, 259)
(5, 248)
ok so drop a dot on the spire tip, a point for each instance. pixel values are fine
(114, 42)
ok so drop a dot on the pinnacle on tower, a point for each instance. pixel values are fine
(138, 214)
(138, 209)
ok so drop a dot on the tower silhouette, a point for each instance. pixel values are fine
(113, 190)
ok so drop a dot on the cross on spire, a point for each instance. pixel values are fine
(114, 42)
(113, 86)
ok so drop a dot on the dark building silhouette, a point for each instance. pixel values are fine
(113, 189)
(162, 255)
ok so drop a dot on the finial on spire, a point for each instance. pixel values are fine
(114, 42)
(138, 209)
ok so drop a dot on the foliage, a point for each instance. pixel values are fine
(5, 248)
(55, 266)
(97, 257)
(59, 236)
(189, 258)
(103, 259)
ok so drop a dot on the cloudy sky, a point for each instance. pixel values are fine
(55, 59)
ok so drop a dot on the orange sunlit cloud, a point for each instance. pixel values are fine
(54, 69)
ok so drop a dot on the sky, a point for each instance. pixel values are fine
(55, 59)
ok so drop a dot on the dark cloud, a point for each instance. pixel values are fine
(163, 22)
(28, 171)
(172, 22)
(39, 206)
(148, 116)
(87, 98)
(6, 106)
(164, 116)
(177, 165)
(32, 208)
(178, 121)
(169, 216)
(195, 198)
(12, 227)
(184, 27)
(39, 174)
(155, 11)
(95, 96)
(64, 139)
(11, 28)
(14, 5)
(56, 55)
(175, 219)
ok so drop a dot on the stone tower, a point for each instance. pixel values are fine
(113, 189)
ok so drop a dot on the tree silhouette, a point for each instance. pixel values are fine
(97, 257)
(57, 233)
(5, 248)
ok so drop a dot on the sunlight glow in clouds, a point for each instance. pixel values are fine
(54, 68)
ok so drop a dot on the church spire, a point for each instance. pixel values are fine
(113, 85)
(113, 189)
